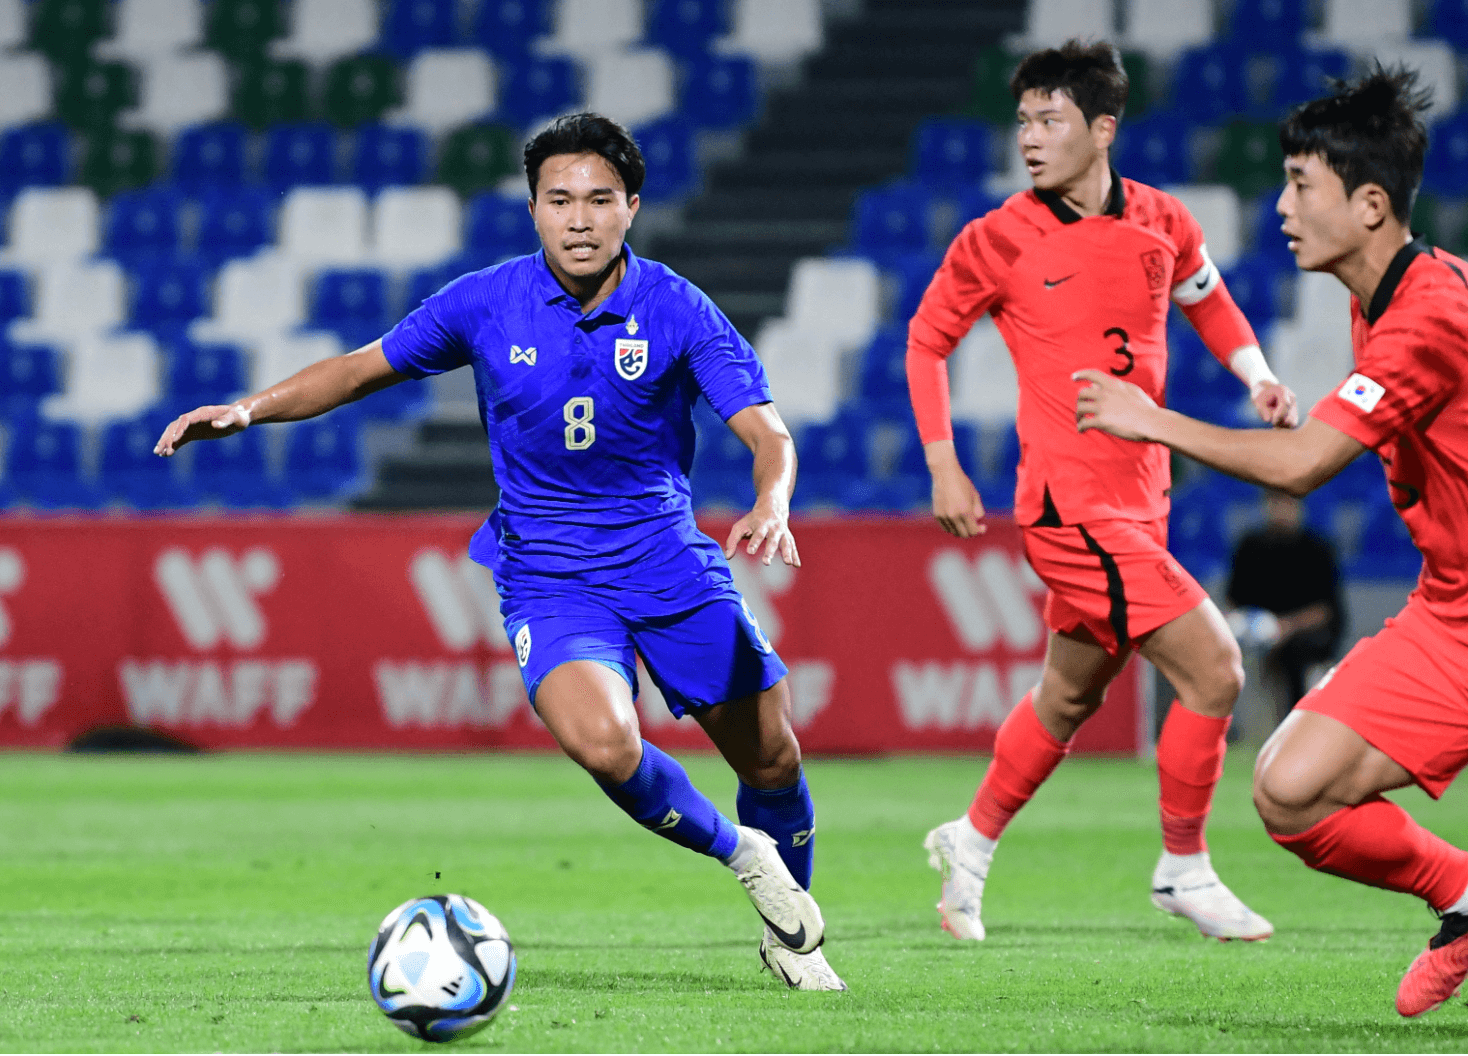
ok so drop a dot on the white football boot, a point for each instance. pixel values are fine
(964, 872)
(1187, 886)
(791, 915)
(800, 971)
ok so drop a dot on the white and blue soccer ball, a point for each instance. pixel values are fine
(441, 967)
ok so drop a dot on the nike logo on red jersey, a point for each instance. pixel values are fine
(1050, 284)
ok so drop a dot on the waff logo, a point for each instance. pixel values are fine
(459, 598)
(30, 685)
(213, 599)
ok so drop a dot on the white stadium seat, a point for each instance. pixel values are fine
(1365, 23)
(254, 298)
(109, 376)
(803, 366)
(587, 27)
(414, 227)
(447, 87)
(1052, 22)
(149, 28)
(181, 90)
(322, 226)
(279, 356)
(322, 30)
(74, 301)
(1434, 60)
(835, 296)
(25, 88)
(982, 380)
(1311, 353)
(50, 225)
(630, 86)
(13, 19)
(1162, 28)
(778, 32)
(1217, 210)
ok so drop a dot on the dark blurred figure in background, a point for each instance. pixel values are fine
(1284, 594)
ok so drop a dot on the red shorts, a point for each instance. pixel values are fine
(1115, 578)
(1405, 690)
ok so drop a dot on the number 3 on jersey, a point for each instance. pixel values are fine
(1123, 350)
(580, 433)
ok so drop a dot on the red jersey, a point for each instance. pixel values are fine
(1069, 292)
(1408, 401)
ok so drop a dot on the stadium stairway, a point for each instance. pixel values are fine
(845, 125)
(447, 468)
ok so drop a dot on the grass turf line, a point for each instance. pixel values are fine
(226, 903)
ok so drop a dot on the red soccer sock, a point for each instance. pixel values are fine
(1025, 754)
(1189, 763)
(1376, 842)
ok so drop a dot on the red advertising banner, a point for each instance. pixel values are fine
(377, 632)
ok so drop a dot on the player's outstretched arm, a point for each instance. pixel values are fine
(313, 390)
(768, 524)
(1294, 460)
(956, 502)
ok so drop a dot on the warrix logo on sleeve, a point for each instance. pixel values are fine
(1362, 392)
(517, 355)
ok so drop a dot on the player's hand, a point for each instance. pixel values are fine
(765, 526)
(202, 423)
(1276, 404)
(956, 503)
(1112, 405)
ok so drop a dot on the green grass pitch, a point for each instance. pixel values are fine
(226, 902)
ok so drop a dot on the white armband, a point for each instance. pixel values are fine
(1248, 366)
(1199, 284)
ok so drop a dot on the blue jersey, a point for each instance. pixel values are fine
(589, 417)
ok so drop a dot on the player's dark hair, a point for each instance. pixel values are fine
(587, 133)
(1091, 74)
(1368, 131)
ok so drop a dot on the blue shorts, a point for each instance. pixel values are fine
(703, 656)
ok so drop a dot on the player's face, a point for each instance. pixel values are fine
(581, 213)
(1321, 222)
(1057, 144)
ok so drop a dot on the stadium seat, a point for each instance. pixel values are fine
(672, 166)
(505, 28)
(35, 156)
(111, 376)
(233, 222)
(882, 378)
(1162, 28)
(500, 225)
(477, 158)
(405, 401)
(90, 95)
(1254, 282)
(1196, 538)
(718, 91)
(426, 282)
(349, 299)
(181, 90)
(722, 474)
(1446, 168)
(1141, 84)
(131, 472)
(143, 224)
(414, 227)
(147, 29)
(912, 272)
(28, 374)
(779, 32)
(383, 156)
(686, 27)
(1303, 74)
(301, 154)
(116, 161)
(15, 297)
(1387, 550)
(951, 152)
(43, 465)
(1366, 24)
(202, 374)
(892, 221)
(803, 366)
(235, 472)
(271, 93)
(323, 459)
(25, 89)
(989, 97)
(585, 29)
(51, 225)
(168, 295)
(74, 300)
(1211, 83)
(1311, 353)
(967, 445)
(360, 88)
(970, 203)
(323, 30)
(446, 88)
(835, 296)
(1155, 149)
(413, 25)
(1197, 383)
(324, 226)
(255, 298)
(1049, 23)
(831, 455)
(536, 88)
(981, 378)
(1450, 22)
(633, 86)
(1279, 21)
(1249, 158)
(209, 156)
(64, 30)
(1436, 66)
(240, 30)
(1219, 214)
(1264, 236)
(281, 355)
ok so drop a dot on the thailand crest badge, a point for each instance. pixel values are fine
(631, 358)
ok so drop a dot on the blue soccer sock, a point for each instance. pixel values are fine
(660, 797)
(789, 817)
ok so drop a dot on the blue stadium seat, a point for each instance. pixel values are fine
(301, 153)
(234, 222)
(506, 27)
(913, 272)
(1446, 168)
(199, 374)
(323, 458)
(685, 27)
(15, 297)
(384, 156)
(1155, 149)
(130, 471)
(719, 91)
(722, 465)
(1450, 21)
(168, 294)
(882, 381)
(533, 88)
(1265, 237)
(951, 152)
(667, 144)
(1198, 384)
(353, 301)
(35, 156)
(970, 203)
(143, 225)
(966, 445)
(1363, 479)
(1300, 75)
(1211, 82)
(1267, 20)
(43, 465)
(208, 156)
(1254, 283)
(27, 374)
(412, 25)
(1386, 550)
(426, 282)
(832, 455)
(497, 224)
(1195, 535)
(234, 471)
(403, 402)
(892, 220)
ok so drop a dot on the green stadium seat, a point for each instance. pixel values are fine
(989, 96)
(119, 161)
(361, 88)
(1139, 81)
(1428, 221)
(269, 93)
(477, 158)
(90, 94)
(64, 30)
(1249, 158)
(240, 29)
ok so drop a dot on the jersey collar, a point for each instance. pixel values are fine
(618, 304)
(1392, 277)
(1115, 202)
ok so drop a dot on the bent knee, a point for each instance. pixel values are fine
(778, 765)
(612, 757)
(1285, 803)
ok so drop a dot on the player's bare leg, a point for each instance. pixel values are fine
(1317, 787)
(1198, 655)
(755, 737)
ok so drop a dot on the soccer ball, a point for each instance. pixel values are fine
(441, 967)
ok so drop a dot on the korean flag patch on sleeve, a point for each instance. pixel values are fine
(1360, 391)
